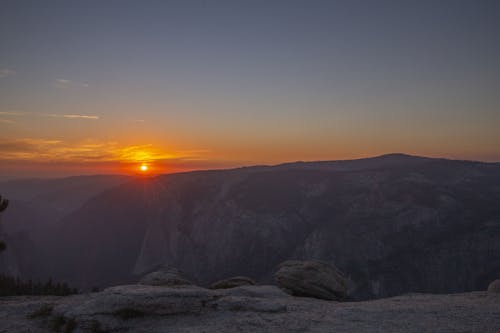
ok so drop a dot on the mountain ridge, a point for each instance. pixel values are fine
(244, 221)
(380, 220)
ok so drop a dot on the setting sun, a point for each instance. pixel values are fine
(144, 167)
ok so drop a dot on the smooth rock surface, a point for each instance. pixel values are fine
(151, 309)
(116, 304)
(312, 279)
(233, 282)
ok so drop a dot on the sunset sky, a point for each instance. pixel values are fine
(105, 86)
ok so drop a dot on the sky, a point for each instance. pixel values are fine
(106, 86)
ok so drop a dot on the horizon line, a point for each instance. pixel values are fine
(250, 166)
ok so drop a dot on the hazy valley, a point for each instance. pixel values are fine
(393, 224)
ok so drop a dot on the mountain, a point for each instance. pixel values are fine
(393, 224)
(56, 197)
(36, 207)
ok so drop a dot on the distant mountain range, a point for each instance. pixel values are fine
(394, 224)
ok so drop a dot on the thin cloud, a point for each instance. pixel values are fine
(24, 146)
(5, 72)
(13, 113)
(51, 115)
(73, 116)
(63, 83)
(53, 150)
(47, 150)
(6, 121)
(143, 153)
(88, 151)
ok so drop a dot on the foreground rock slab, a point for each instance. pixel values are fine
(246, 309)
(312, 279)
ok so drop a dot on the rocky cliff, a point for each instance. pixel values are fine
(394, 224)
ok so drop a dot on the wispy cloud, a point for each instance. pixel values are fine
(13, 113)
(51, 115)
(143, 153)
(8, 115)
(62, 83)
(5, 72)
(73, 116)
(29, 149)
(26, 149)
(66, 83)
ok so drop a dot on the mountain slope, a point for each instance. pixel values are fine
(36, 207)
(394, 224)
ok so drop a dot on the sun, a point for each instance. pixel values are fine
(144, 167)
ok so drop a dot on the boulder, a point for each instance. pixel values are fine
(233, 282)
(165, 276)
(311, 279)
(494, 287)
